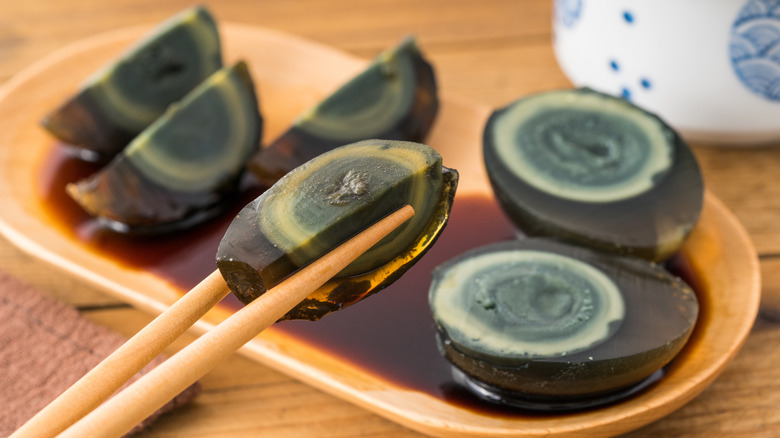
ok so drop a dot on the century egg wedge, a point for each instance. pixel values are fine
(394, 98)
(184, 166)
(538, 323)
(595, 170)
(119, 101)
(324, 202)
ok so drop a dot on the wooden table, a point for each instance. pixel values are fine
(489, 51)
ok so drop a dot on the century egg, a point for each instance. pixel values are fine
(327, 200)
(546, 323)
(119, 101)
(394, 98)
(184, 166)
(593, 169)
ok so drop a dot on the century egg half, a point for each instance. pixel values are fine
(394, 98)
(593, 169)
(548, 323)
(184, 166)
(119, 101)
(324, 202)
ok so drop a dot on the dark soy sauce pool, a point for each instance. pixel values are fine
(183, 258)
(390, 335)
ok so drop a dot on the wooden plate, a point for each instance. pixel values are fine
(292, 74)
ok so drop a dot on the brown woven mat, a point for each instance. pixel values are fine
(45, 346)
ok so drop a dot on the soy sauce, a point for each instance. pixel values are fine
(183, 259)
(390, 335)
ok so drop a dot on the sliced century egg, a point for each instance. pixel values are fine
(394, 98)
(324, 202)
(549, 322)
(593, 169)
(119, 101)
(180, 170)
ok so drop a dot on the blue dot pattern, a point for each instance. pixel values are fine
(625, 92)
(568, 12)
(754, 47)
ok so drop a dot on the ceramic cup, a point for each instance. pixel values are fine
(710, 68)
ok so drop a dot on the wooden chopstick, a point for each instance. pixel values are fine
(132, 405)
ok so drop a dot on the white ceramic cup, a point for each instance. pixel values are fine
(710, 68)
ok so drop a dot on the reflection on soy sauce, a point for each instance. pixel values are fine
(391, 335)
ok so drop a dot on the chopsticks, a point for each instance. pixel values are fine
(110, 374)
(140, 399)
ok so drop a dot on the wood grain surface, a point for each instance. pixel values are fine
(488, 51)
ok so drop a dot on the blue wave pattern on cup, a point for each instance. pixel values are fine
(755, 47)
(568, 12)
